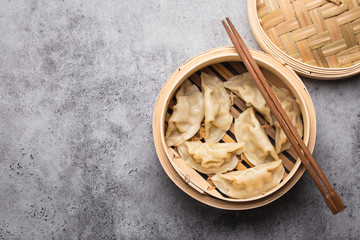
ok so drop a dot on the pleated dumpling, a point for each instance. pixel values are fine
(258, 148)
(251, 182)
(216, 107)
(245, 87)
(211, 158)
(293, 111)
(187, 115)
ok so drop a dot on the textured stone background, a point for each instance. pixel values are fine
(78, 84)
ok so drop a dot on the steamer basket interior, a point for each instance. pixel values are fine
(224, 71)
(225, 63)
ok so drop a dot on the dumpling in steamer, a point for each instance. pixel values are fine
(187, 115)
(211, 158)
(251, 182)
(245, 87)
(293, 111)
(258, 148)
(216, 107)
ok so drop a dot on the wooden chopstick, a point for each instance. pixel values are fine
(283, 114)
(332, 198)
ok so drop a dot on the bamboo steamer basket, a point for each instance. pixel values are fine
(225, 62)
(316, 38)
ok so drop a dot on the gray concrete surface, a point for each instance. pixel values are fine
(78, 84)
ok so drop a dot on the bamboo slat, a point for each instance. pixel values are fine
(305, 51)
(326, 28)
(272, 4)
(318, 19)
(320, 58)
(275, 35)
(356, 26)
(332, 61)
(349, 16)
(334, 47)
(289, 44)
(262, 9)
(302, 13)
(272, 19)
(319, 40)
(287, 9)
(303, 33)
(331, 10)
(287, 26)
(334, 29)
(311, 4)
(349, 35)
(352, 3)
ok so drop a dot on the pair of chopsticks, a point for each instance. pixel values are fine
(332, 199)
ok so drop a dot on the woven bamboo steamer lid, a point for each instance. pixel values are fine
(280, 75)
(317, 38)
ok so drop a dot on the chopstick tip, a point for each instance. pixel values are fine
(224, 23)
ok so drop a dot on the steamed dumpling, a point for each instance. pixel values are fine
(292, 109)
(217, 108)
(187, 115)
(245, 87)
(211, 158)
(258, 148)
(251, 182)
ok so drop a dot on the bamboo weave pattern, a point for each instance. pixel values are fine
(316, 32)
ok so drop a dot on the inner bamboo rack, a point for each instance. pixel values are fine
(225, 71)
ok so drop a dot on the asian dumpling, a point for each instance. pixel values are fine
(245, 87)
(251, 182)
(211, 158)
(216, 107)
(292, 109)
(187, 115)
(258, 148)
